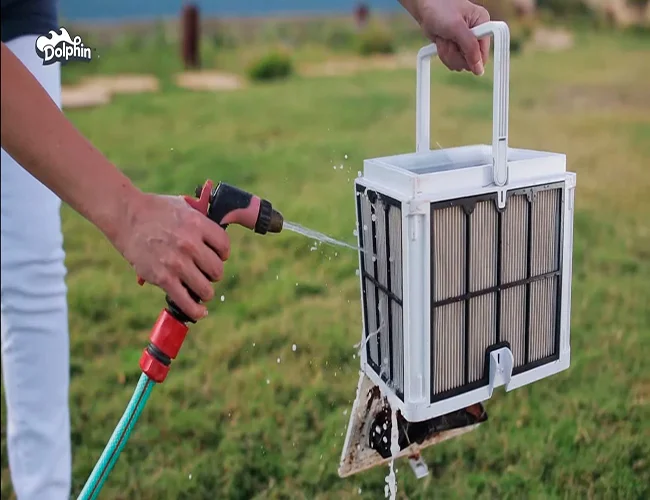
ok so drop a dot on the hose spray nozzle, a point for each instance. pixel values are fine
(226, 204)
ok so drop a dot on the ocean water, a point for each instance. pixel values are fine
(122, 10)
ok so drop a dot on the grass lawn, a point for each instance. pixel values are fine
(241, 414)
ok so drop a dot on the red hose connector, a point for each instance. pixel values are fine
(165, 341)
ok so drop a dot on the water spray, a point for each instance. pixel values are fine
(225, 205)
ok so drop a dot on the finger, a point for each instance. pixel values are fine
(484, 44)
(469, 47)
(197, 282)
(209, 263)
(451, 57)
(181, 297)
(216, 238)
(475, 16)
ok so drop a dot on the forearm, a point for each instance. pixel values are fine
(41, 139)
(412, 8)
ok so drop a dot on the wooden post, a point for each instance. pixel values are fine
(190, 36)
(361, 13)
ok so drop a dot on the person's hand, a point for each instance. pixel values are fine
(447, 23)
(170, 244)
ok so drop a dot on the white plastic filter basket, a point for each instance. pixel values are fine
(466, 269)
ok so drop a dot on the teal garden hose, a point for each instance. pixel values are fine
(119, 438)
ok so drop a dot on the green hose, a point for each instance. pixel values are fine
(117, 441)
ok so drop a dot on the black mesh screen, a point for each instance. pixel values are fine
(380, 236)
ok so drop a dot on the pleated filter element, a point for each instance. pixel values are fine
(495, 280)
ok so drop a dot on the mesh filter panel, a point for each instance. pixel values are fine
(380, 234)
(495, 282)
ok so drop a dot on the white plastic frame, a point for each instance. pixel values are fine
(460, 172)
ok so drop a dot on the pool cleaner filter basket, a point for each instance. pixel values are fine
(465, 278)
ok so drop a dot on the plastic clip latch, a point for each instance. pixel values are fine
(419, 467)
(501, 364)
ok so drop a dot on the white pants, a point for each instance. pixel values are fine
(35, 350)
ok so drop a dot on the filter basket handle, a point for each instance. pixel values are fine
(501, 34)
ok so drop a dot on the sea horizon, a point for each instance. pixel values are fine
(149, 10)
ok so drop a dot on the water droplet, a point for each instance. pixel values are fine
(355, 232)
(374, 259)
(360, 491)
(359, 174)
(356, 271)
(365, 227)
(268, 381)
(253, 344)
(294, 347)
(190, 476)
(373, 217)
(278, 360)
(345, 156)
(345, 412)
(334, 167)
(277, 277)
(172, 149)
(223, 298)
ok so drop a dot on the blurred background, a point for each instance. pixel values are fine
(286, 99)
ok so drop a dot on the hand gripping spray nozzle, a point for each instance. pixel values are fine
(225, 205)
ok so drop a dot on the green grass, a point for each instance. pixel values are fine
(232, 422)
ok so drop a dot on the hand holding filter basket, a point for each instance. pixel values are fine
(470, 287)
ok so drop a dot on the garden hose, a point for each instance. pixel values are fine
(118, 439)
(225, 205)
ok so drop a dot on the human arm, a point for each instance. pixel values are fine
(167, 242)
(447, 23)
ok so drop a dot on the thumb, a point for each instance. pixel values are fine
(470, 48)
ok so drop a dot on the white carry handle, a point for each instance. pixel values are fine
(499, 30)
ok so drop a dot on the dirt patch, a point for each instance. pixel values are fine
(349, 66)
(551, 40)
(83, 97)
(124, 84)
(98, 90)
(209, 80)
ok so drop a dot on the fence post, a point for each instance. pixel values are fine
(190, 36)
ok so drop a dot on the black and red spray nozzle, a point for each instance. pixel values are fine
(226, 204)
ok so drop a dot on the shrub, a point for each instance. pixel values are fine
(376, 41)
(272, 66)
(340, 38)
